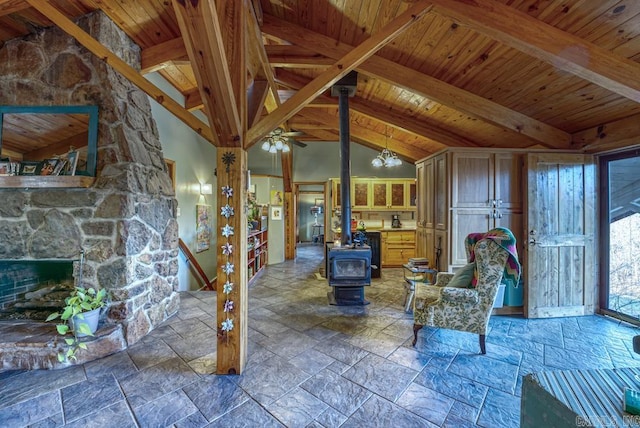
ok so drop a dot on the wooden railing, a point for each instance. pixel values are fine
(202, 278)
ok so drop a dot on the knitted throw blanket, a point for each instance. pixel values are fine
(503, 237)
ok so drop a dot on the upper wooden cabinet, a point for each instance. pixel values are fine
(394, 194)
(486, 180)
(378, 195)
(361, 194)
(336, 200)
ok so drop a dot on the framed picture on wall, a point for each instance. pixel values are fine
(203, 227)
(48, 166)
(72, 162)
(28, 167)
(276, 197)
(5, 168)
(276, 213)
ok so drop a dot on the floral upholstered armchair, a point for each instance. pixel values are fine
(467, 307)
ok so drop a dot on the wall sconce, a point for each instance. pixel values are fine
(206, 189)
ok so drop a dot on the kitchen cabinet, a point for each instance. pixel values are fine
(462, 191)
(398, 247)
(486, 192)
(379, 195)
(360, 194)
(335, 193)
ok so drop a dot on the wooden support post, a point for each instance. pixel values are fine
(289, 226)
(232, 260)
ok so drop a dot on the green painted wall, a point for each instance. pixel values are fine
(195, 160)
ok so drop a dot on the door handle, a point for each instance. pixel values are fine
(532, 241)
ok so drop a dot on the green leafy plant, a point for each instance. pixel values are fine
(80, 301)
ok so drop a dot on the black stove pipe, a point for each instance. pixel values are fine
(345, 166)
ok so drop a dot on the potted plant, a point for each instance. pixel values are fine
(253, 212)
(79, 317)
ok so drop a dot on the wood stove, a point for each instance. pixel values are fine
(348, 265)
(349, 271)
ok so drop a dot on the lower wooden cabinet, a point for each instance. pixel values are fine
(398, 247)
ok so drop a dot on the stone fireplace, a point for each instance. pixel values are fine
(125, 223)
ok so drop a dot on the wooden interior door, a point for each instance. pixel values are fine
(560, 254)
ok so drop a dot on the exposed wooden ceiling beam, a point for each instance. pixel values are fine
(536, 38)
(622, 133)
(371, 139)
(202, 35)
(255, 39)
(193, 99)
(344, 65)
(159, 56)
(122, 67)
(384, 114)
(292, 56)
(422, 84)
(12, 6)
(256, 95)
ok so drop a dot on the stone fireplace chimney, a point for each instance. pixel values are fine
(126, 222)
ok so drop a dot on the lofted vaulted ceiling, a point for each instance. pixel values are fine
(432, 74)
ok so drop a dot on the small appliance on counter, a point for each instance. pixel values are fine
(395, 221)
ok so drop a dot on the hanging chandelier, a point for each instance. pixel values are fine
(276, 141)
(386, 156)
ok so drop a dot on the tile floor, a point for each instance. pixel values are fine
(314, 365)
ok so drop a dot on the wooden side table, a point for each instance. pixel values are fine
(413, 274)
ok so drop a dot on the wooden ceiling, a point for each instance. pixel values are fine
(557, 74)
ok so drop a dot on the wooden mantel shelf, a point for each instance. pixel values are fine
(39, 181)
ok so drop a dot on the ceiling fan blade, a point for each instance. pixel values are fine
(293, 134)
(298, 143)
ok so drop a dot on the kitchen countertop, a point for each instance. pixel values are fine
(383, 229)
(396, 229)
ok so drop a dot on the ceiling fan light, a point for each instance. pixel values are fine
(266, 146)
(285, 148)
(279, 144)
(273, 149)
(377, 162)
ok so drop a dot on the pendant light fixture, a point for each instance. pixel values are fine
(275, 142)
(386, 157)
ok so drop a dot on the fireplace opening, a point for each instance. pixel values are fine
(31, 290)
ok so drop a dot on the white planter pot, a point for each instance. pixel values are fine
(90, 318)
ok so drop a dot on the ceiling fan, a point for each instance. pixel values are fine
(278, 139)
